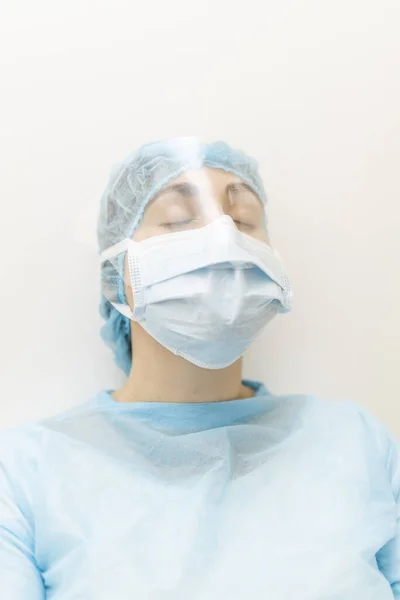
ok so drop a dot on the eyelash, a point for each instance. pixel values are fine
(177, 224)
(248, 225)
(188, 221)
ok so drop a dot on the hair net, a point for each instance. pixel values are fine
(133, 183)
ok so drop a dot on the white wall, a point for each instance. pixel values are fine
(311, 87)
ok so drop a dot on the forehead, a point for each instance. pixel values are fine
(217, 178)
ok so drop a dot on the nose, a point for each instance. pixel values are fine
(211, 207)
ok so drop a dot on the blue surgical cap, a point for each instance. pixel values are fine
(133, 183)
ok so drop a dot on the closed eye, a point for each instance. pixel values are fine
(179, 224)
(244, 224)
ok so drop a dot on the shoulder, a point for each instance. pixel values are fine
(345, 414)
(381, 440)
(313, 411)
(356, 431)
(15, 441)
(350, 415)
(20, 456)
(23, 447)
(344, 420)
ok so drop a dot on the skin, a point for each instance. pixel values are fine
(192, 200)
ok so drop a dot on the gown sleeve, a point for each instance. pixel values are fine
(388, 557)
(20, 578)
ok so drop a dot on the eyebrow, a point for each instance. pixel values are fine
(190, 190)
(236, 185)
(241, 185)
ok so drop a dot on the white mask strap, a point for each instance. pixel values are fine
(123, 309)
(115, 250)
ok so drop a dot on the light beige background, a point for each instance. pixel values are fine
(310, 87)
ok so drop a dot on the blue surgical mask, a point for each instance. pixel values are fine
(205, 294)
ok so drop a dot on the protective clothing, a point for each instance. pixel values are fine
(205, 294)
(134, 184)
(278, 497)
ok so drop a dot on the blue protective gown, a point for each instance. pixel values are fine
(273, 497)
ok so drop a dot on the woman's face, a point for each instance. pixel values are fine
(195, 199)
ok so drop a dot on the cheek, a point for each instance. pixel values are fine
(260, 234)
(129, 295)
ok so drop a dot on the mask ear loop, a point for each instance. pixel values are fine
(123, 309)
(118, 250)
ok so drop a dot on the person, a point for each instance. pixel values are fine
(188, 481)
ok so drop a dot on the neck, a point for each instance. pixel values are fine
(157, 375)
